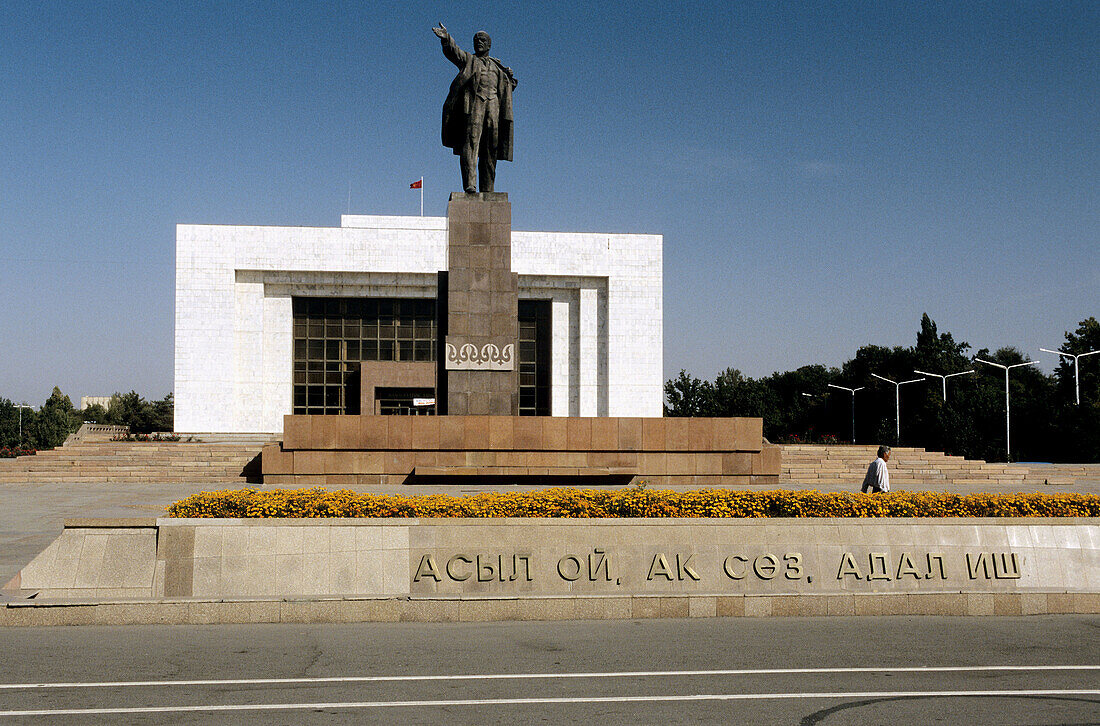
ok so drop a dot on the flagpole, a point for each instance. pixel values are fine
(421, 196)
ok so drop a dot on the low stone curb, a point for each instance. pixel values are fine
(196, 611)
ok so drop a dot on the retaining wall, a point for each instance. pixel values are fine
(192, 570)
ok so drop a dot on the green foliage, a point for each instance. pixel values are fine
(55, 421)
(1046, 424)
(95, 414)
(9, 424)
(49, 426)
(687, 396)
(143, 417)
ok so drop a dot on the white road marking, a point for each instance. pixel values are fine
(539, 676)
(543, 701)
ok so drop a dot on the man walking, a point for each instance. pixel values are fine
(878, 477)
(477, 115)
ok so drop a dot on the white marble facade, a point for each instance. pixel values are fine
(234, 286)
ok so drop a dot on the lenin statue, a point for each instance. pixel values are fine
(477, 115)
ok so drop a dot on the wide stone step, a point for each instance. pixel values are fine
(170, 462)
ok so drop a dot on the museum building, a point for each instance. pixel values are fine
(354, 320)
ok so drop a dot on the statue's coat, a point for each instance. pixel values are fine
(460, 96)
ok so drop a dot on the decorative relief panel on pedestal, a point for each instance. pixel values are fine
(487, 357)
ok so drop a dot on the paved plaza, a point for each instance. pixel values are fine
(32, 514)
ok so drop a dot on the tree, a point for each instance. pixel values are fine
(1085, 339)
(130, 409)
(1077, 435)
(163, 414)
(55, 421)
(734, 394)
(687, 396)
(9, 423)
(1046, 425)
(94, 414)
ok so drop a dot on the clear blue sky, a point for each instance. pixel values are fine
(822, 173)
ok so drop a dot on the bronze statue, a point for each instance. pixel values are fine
(477, 115)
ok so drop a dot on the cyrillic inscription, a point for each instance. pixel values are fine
(599, 566)
(1004, 565)
(880, 567)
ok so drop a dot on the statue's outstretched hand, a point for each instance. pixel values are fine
(441, 31)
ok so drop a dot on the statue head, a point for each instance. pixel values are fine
(482, 42)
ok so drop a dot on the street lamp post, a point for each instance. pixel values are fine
(944, 378)
(1008, 427)
(1076, 379)
(853, 392)
(21, 406)
(897, 400)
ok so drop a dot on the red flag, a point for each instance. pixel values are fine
(418, 184)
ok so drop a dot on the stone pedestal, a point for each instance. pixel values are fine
(480, 354)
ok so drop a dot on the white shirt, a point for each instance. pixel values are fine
(878, 474)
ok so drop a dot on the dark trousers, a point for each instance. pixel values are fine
(480, 147)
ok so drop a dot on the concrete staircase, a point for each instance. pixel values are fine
(912, 468)
(233, 460)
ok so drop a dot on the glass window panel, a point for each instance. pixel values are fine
(423, 350)
(332, 350)
(385, 350)
(332, 395)
(315, 395)
(353, 350)
(299, 350)
(299, 395)
(385, 330)
(404, 330)
(333, 329)
(316, 329)
(405, 350)
(370, 330)
(369, 350)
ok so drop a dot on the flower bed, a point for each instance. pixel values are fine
(10, 452)
(633, 502)
(146, 437)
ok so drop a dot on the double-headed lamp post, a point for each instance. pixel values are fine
(897, 400)
(944, 378)
(1008, 427)
(1076, 378)
(853, 392)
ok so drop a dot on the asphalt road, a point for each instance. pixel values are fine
(1037, 670)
